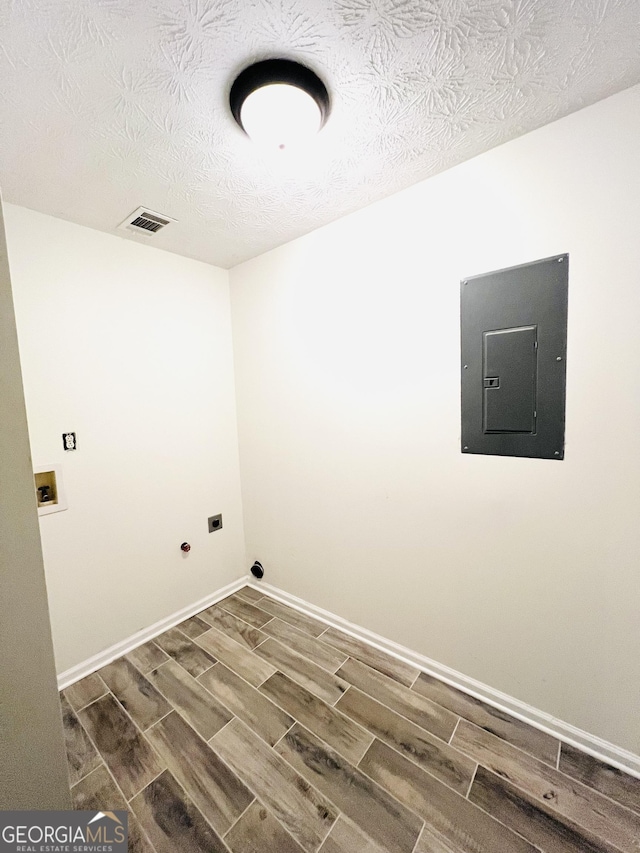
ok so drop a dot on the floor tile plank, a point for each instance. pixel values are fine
(135, 693)
(610, 781)
(125, 751)
(258, 831)
(238, 658)
(293, 617)
(172, 821)
(253, 596)
(85, 691)
(442, 761)
(448, 815)
(317, 651)
(98, 792)
(190, 656)
(345, 837)
(347, 738)
(233, 627)
(212, 786)
(193, 627)
(533, 741)
(303, 811)
(255, 710)
(421, 711)
(318, 681)
(138, 841)
(380, 661)
(147, 657)
(243, 610)
(82, 757)
(197, 705)
(431, 842)
(364, 802)
(532, 819)
(584, 806)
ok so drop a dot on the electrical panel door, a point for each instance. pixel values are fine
(514, 335)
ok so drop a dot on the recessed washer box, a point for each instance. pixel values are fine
(50, 493)
(513, 325)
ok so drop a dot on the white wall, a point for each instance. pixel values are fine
(521, 573)
(34, 771)
(130, 347)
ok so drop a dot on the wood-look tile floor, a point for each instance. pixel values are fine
(253, 728)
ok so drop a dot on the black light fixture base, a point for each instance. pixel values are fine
(270, 71)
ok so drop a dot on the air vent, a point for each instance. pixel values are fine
(145, 221)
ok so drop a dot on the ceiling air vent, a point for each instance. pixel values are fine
(145, 221)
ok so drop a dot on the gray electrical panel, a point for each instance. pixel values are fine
(514, 346)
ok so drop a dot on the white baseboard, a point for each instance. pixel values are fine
(599, 748)
(70, 676)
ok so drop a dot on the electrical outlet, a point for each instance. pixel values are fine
(215, 523)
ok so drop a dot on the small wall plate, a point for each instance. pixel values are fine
(50, 493)
(214, 523)
(69, 441)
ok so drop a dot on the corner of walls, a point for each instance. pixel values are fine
(130, 347)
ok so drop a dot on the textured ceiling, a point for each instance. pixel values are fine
(106, 105)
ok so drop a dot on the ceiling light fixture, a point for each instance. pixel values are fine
(279, 103)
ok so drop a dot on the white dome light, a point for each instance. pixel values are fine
(279, 103)
(280, 116)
